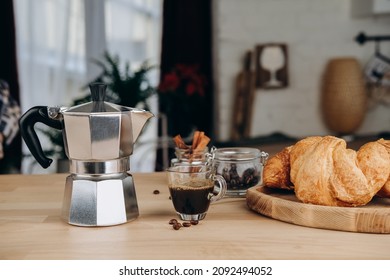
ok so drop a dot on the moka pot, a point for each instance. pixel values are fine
(99, 138)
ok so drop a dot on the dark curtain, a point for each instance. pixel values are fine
(9, 73)
(187, 39)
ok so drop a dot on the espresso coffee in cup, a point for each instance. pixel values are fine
(192, 189)
(192, 199)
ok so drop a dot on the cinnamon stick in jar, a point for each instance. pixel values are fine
(199, 144)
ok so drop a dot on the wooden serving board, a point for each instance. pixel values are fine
(284, 206)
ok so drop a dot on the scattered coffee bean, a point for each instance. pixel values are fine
(176, 226)
(156, 192)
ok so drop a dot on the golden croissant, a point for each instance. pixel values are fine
(385, 190)
(323, 171)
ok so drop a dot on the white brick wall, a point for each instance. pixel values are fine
(315, 31)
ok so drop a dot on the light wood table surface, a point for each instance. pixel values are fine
(31, 228)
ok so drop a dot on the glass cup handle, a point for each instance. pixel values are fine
(222, 188)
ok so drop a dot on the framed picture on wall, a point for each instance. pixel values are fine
(271, 66)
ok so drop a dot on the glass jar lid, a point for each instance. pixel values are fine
(237, 154)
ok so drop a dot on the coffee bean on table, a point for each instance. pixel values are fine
(176, 226)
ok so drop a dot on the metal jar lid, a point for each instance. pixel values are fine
(239, 154)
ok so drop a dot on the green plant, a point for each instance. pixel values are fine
(57, 142)
(125, 88)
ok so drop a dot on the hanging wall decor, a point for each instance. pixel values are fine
(271, 66)
(376, 71)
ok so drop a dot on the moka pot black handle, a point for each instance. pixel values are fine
(26, 123)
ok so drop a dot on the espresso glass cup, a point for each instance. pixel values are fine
(193, 188)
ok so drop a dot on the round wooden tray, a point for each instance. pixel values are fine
(284, 206)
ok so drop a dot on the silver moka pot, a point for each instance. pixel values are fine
(99, 138)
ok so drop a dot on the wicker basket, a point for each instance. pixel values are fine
(344, 98)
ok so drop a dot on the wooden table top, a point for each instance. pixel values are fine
(31, 228)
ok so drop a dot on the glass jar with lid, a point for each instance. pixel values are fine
(241, 167)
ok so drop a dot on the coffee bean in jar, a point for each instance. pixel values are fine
(241, 167)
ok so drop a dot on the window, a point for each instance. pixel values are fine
(57, 39)
(135, 24)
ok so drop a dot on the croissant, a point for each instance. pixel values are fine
(322, 171)
(276, 172)
(385, 190)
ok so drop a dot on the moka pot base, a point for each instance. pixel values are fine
(92, 198)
